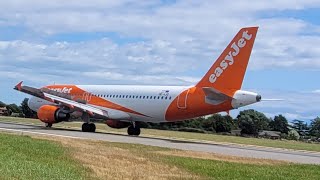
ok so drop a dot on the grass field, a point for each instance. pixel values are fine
(23, 157)
(186, 135)
(44, 157)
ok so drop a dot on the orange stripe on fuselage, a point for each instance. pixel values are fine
(195, 106)
(94, 100)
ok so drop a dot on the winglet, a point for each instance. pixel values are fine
(18, 86)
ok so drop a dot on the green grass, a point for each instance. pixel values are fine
(186, 135)
(226, 170)
(214, 169)
(22, 157)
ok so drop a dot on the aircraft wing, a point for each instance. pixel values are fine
(66, 100)
(70, 103)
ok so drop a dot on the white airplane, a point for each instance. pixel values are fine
(124, 106)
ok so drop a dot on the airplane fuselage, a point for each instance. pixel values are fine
(142, 103)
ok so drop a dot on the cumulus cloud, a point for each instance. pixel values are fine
(175, 42)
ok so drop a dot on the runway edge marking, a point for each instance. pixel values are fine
(40, 133)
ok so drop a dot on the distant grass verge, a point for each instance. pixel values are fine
(296, 145)
(22, 157)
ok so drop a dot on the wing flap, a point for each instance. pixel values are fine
(76, 104)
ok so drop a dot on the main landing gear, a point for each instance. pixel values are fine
(134, 130)
(87, 126)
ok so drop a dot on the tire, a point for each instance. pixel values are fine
(49, 125)
(130, 131)
(133, 131)
(84, 127)
(92, 127)
(137, 131)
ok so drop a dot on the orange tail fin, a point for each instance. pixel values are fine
(227, 73)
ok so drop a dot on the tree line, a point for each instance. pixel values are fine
(22, 110)
(248, 122)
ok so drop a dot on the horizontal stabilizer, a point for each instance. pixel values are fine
(214, 97)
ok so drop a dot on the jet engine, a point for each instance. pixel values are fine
(52, 114)
(117, 124)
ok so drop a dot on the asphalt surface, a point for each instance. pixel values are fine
(226, 149)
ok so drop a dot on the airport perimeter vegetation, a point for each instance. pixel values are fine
(44, 157)
(188, 136)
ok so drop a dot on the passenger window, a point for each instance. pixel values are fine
(140, 97)
(126, 96)
(166, 98)
(158, 97)
(144, 97)
(170, 97)
(162, 97)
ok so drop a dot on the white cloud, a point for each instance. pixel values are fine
(316, 91)
(178, 41)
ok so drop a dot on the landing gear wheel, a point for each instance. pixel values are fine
(86, 127)
(49, 125)
(92, 127)
(133, 131)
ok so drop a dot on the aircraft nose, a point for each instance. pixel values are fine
(258, 98)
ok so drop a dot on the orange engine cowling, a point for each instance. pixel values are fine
(52, 114)
(117, 124)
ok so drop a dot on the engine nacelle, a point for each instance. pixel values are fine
(52, 114)
(117, 124)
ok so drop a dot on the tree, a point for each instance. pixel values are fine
(28, 113)
(299, 125)
(2, 104)
(279, 123)
(251, 122)
(14, 108)
(315, 127)
(223, 123)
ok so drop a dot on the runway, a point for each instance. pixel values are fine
(226, 149)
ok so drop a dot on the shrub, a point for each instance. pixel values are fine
(293, 135)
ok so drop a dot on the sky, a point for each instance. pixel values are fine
(162, 42)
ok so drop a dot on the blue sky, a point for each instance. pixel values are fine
(164, 43)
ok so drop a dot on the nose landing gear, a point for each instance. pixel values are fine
(87, 126)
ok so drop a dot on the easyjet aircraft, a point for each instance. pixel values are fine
(124, 106)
